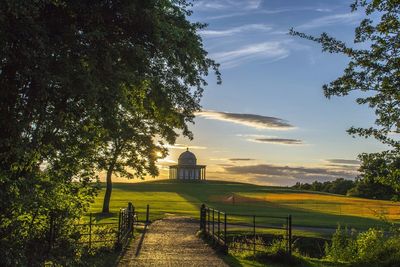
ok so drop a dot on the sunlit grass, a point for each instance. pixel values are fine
(332, 204)
(307, 209)
(160, 203)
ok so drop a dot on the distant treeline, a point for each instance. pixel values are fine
(357, 188)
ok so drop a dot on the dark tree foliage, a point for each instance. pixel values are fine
(372, 190)
(366, 186)
(74, 76)
(166, 55)
(339, 186)
(375, 71)
(377, 170)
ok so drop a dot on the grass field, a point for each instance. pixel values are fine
(307, 208)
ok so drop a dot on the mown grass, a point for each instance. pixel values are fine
(332, 204)
(184, 198)
(313, 211)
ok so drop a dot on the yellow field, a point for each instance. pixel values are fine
(331, 204)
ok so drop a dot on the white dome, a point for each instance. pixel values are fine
(187, 158)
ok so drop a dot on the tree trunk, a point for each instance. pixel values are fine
(107, 196)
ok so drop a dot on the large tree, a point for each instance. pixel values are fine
(375, 71)
(72, 75)
(159, 96)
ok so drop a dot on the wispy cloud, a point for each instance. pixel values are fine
(277, 141)
(235, 30)
(272, 51)
(344, 161)
(326, 21)
(251, 120)
(268, 12)
(241, 159)
(166, 161)
(183, 146)
(323, 9)
(272, 140)
(226, 4)
(295, 173)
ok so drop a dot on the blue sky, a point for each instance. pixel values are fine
(269, 122)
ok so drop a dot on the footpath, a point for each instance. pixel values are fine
(170, 242)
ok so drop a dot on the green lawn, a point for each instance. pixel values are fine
(185, 198)
(308, 209)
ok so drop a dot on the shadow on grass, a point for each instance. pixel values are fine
(195, 193)
(201, 192)
(104, 258)
(101, 215)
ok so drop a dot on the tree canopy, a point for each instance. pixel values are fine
(374, 71)
(72, 75)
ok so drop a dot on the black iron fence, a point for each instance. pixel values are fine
(246, 232)
(97, 234)
(93, 234)
(214, 223)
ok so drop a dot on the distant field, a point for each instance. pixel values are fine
(332, 204)
(307, 208)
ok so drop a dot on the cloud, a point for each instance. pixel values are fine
(251, 120)
(241, 159)
(166, 161)
(272, 50)
(323, 9)
(278, 141)
(225, 165)
(344, 161)
(218, 159)
(236, 30)
(267, 12)
(271, 139)
(184, 147)
(226, 4)
(276, 172)
(326, 21)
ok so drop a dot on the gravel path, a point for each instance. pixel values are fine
(171, 242)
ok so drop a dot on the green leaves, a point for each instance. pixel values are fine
(374, 71)
(85, 84)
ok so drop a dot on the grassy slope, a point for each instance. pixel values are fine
(307, 209)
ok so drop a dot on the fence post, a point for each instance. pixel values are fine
(287, 234)
(225, 241)
(147, 214)
(133, 220)
(202, 217)
(90, 230)
(213, 238)
(254, 235)
(130, 217)
(219, 221)
(208, 220)
(119, 228)
(290, 234)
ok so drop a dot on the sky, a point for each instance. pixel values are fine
(268, 122)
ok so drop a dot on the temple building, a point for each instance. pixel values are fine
(187, 168)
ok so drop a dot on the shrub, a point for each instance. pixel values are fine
(374, 247)
(342, 247)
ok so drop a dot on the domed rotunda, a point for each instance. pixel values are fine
(187, 168)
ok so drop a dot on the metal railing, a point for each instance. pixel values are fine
(105, 234)
(243, 231)
(213, 223)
